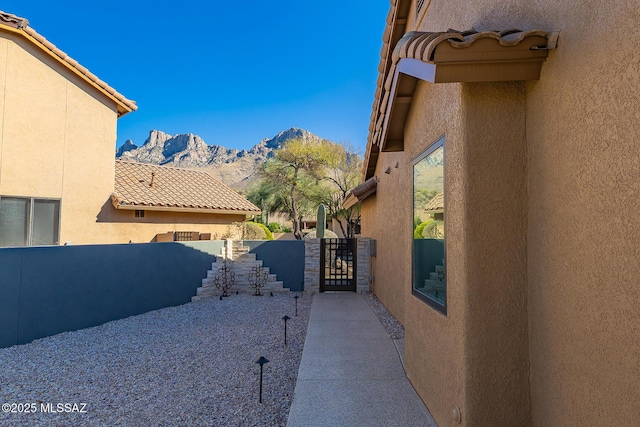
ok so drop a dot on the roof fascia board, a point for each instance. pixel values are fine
(185, 210)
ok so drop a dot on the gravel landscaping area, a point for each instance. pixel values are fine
(191, 365)
(391, 325)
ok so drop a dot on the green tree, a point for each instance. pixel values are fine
(342, 173)
(291, 176)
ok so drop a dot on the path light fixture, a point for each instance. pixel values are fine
(262, 360)
(285, 318)
(296, 298)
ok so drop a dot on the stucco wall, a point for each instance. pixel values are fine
(584, 211)
(57, 138)
(496, 332)
(434, 348)
(121, 226)
(574, 272)
(383, 225)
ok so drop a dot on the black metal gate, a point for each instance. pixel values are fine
(338, 270)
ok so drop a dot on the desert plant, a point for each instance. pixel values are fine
(321, 222)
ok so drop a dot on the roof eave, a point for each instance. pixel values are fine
(446, 58)
(361, 192)
(123, 105)
(160, 208)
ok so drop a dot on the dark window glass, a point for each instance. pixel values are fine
(428, 258)
(46, 222)
(14, 221)
(29, 222)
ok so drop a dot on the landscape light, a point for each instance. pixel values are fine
(262, 360)
(285, 318)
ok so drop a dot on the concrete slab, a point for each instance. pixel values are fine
(351, 373)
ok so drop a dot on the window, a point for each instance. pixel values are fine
(419, 4)
(29, 222)
(139, 213)
(428, 257)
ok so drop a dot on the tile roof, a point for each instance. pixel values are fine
(436, 204)
(16, 24)
(144, 186)
(451, 48)
(361, 192)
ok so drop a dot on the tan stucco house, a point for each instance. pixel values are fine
(57, 169)
(518, 131)
(150, 200)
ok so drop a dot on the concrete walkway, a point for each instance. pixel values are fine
(351, 373)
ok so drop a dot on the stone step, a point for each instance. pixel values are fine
(242, 265)
(435, 285)
(276, 288)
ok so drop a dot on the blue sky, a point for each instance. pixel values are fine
(232, 72)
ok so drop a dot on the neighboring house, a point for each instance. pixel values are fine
(57, 144)
(56, 141)
(529, 312)
(150, 200)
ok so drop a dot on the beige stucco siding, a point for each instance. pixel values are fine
(122, 226)
(58, 137)
(542, 212)
(33, 123)
(434, 348)
(496, 333)
(88, 167)
(388, 264)
(584, 211)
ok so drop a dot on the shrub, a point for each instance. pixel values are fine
(328, 234)
(274, 227)
(249, 231)
(267, 233)
(432, 229)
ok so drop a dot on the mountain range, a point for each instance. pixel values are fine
(236, 168)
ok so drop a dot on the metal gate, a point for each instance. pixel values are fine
(338, 270)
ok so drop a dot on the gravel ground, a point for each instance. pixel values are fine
(393, 327)
(191, 365)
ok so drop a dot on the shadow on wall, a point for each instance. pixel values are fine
(108, 213)
(49, 290)
(285, 258)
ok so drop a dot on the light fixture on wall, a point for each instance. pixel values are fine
(397, 164)
(388, 171)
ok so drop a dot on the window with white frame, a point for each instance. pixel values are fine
(29, 221)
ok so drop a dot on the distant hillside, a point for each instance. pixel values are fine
(235, 168)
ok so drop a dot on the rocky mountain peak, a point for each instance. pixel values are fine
(127, 146)
(234, 167)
